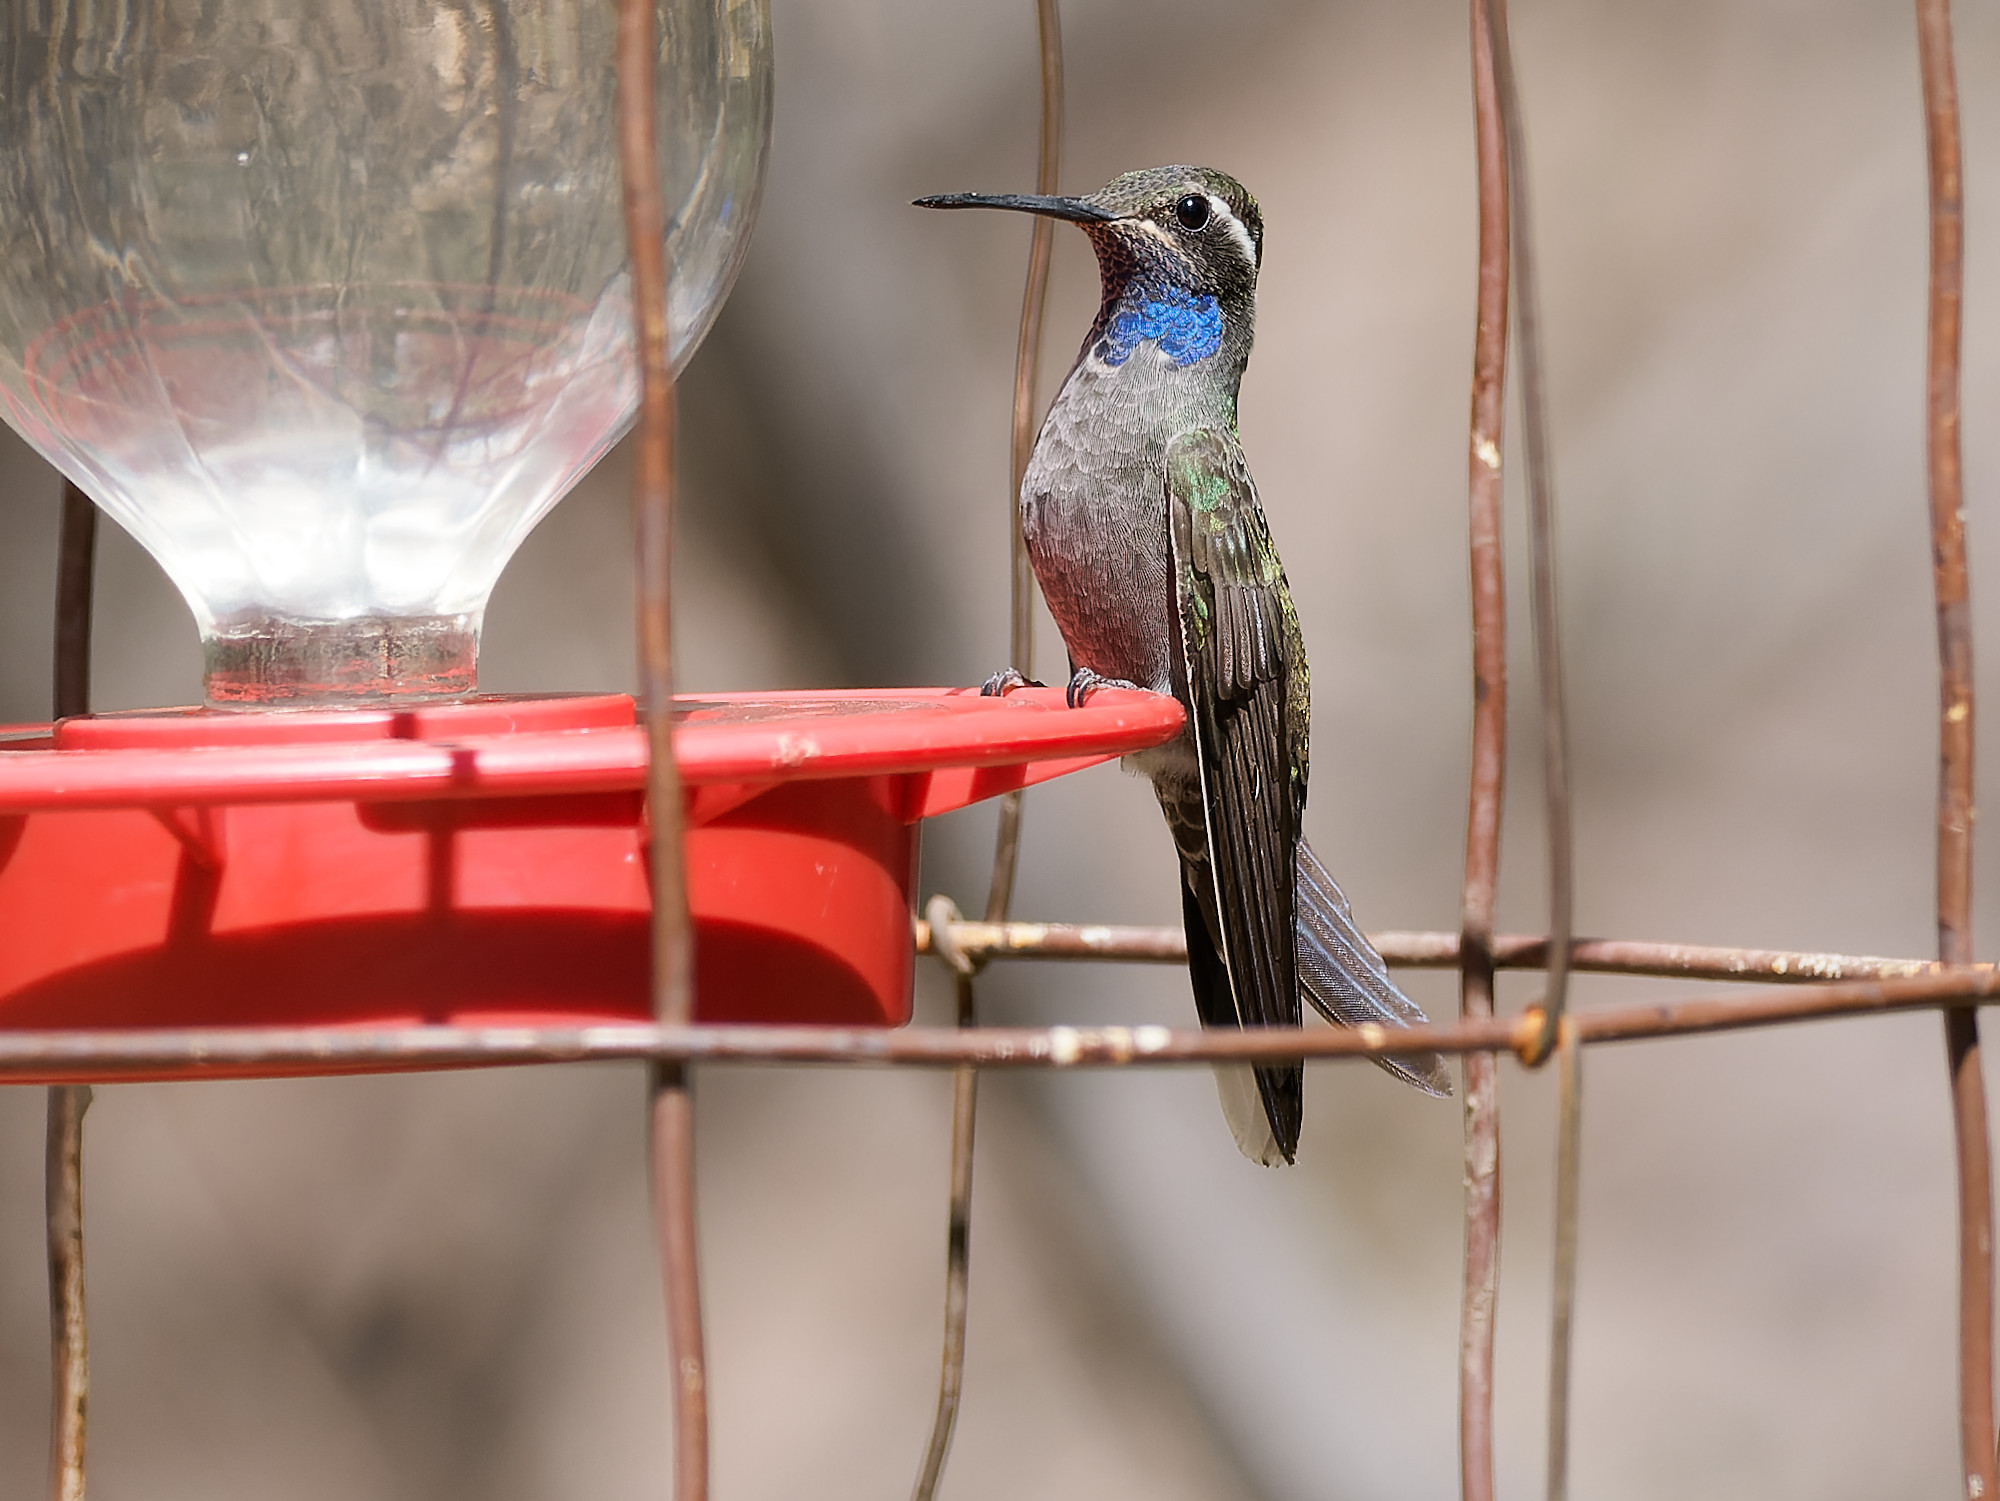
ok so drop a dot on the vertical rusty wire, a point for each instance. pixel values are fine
(69, 1344)
(1489, 754)
(76, 569)
(1007, 842)
(1027, 359)
(1544, 607)
(942, 913)
(1542, 595)
(672, 1143)
(1562, 1314)
(672, 1104)
(1954, 803)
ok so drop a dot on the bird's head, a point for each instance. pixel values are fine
(1187, 229)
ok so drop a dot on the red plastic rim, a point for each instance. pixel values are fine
(521, 747)
(486, 715)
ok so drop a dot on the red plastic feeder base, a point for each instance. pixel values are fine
(484, 863)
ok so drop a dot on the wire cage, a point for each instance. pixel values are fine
(1507, 329)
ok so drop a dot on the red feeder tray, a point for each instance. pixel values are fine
(483, 863)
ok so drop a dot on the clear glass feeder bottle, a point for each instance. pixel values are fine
(326, 301)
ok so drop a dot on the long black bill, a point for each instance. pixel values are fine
(1076, 210)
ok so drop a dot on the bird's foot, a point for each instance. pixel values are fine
(1085, 682)
(1005, 681)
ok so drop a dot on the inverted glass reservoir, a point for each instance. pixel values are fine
(326, 301)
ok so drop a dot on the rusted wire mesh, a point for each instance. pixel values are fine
(1817, 985)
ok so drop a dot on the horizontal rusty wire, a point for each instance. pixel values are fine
(156, 1053)
(982, 941)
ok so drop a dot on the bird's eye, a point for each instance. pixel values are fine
(1192, 211)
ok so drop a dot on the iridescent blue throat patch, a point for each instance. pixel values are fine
(1186, 327)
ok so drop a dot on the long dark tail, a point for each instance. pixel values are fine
(1346, 980)
(1264, 1103)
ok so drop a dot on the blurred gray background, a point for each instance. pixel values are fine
(424, 1287)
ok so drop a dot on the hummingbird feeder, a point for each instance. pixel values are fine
(327, 305)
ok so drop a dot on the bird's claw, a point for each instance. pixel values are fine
(1085, 682)
(1005, 681)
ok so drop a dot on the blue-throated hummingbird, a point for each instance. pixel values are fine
(1147, 538)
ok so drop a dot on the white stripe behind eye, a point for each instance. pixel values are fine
(1236, 230)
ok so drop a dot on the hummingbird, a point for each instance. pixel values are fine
(1156, 560)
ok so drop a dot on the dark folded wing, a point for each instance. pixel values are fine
(1246, 688)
